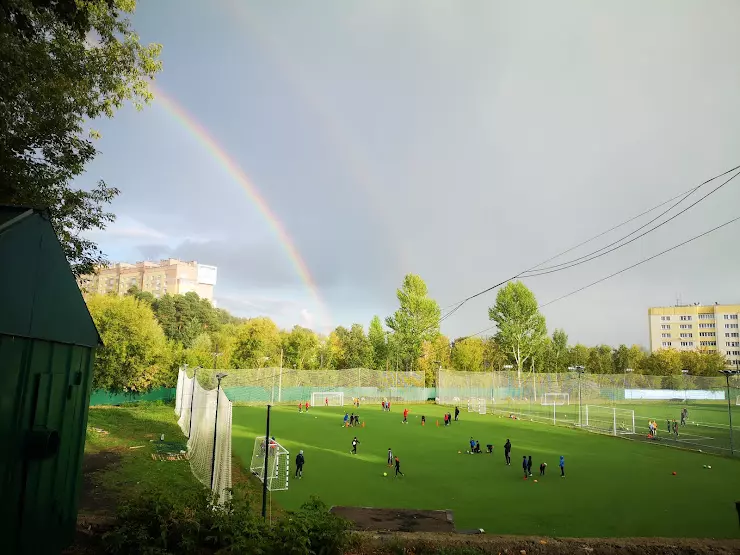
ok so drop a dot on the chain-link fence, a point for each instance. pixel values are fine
(685, 411)
(284, 385)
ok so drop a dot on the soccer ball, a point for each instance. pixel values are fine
(705, 466)
(385, 474)
(709, 467)
(535, 481)
(481, 530)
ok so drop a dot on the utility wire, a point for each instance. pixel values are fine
(685, 194)
(625, 269)
(593, 256)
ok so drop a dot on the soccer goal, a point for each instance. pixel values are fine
(610, 420)
(278, 463)
(550, 399)
(477, 404)
(327, 398)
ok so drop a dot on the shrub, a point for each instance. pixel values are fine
(191, 522)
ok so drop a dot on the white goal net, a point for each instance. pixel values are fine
(737, 401)
(611, 420)
(327, 399)
(278, 463)
(559, 399)
(477, 404)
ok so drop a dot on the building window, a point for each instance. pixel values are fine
(706, 334)
(665, 326)
(665, 335)
(666, 343)
(706, 316)
(735, 334)
(731, 326)
(687, 343)
(686, 318)
(730, 316)
(733, 343)
(686, 326)
(665, 318)
(706, 325)
(687, 335)
(708, 343)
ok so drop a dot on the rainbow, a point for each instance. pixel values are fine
(219, 154)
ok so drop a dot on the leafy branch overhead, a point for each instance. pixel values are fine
(64, 64)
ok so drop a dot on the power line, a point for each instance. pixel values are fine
(589, 257)
(625, 269)
(685, 194)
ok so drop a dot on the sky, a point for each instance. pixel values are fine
(341, 145)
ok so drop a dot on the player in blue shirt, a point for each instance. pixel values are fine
(562, 466)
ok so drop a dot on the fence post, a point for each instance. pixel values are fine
(586, 415)
(615, 421)
(181, 380)
(633, 421)
(192, 400)
(553, 414)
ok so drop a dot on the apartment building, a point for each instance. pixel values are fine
(714, 328)
(158, 278)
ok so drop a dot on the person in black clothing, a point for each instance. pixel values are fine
(543, 466)
(524, 465)
(354, 446)
(507, 452)
(299, 460)
(529, 465)
(398, 468)
(457, 413)
(489, 448)
(477, 447)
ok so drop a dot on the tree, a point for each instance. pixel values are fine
(134, 355)
(301, 348)
(354, 350)
(55, 80)
(559, 349)
(416, 321)
(600, 360)
(183, 317)
(257, 344)
(468, 354)
(521, 326)
(494, 355)
(435, 354)
(378, 342)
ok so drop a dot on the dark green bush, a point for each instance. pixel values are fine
(191, 522)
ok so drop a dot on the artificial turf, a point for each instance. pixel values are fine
(613, 487)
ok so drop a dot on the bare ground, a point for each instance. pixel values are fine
(421, 543)
(94, 499)
(396, 520)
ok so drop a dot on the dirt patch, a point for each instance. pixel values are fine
(396, 520)
(93, 498)
(428, 543)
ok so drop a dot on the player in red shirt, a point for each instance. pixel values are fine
(405, 415)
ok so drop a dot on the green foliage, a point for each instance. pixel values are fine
(184, 317)
(521, 326)
(55, 81)
(300, 348)
(378, 343)
(468, 354)
(257, 344)
(416, 321)
(191, 522)
(135, 354)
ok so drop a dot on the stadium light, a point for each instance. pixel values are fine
(626, 370)
(580, 370)
(508, 366)
(219, 377)
(727, 374)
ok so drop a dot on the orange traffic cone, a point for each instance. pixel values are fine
(422, 422)
(363, 424)
(437, 423)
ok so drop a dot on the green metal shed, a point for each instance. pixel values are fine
(47, 348)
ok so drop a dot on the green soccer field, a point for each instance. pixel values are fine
(613, 487)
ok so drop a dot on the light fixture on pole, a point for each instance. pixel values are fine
(580, 370)
(219, 377)
(508, 376)
(727, 374)
(627, 371)
(215, 359)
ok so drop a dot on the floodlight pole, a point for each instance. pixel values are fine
(727, 374)
(580, 370)
(219, 377)
(264, 474)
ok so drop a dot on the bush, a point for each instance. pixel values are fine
(192, 523)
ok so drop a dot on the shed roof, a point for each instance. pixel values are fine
(39, 295)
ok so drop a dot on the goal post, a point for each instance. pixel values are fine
(327, 398)
(554, 398)
(612, 420)
(737, 401)
(278, 463)
(481, 406)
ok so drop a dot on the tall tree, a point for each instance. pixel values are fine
(559, 349)
(416, 321)
(257, 344)
(301, 348)
(55, 80)
(378, 342)
(468, 354)
(134, 355)
(355, 350)
(521, 326)
(435, 354)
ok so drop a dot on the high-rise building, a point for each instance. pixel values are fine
(172, 276)
(712, 328)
